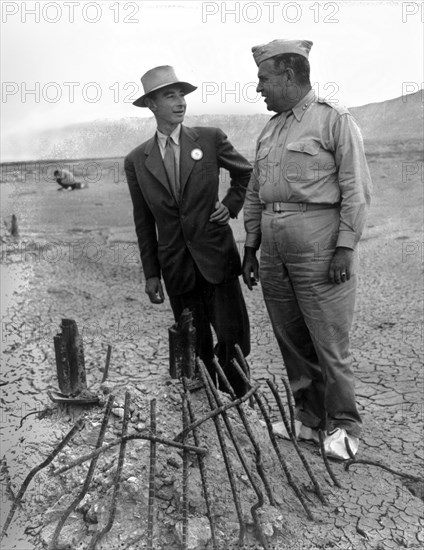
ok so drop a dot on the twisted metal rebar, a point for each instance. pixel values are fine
(217, 412)
(225, 454)
(353, 462)
(202, 467)
(290, 403)
(130, 437)
(292, 436)
(117, 481)
(326, 462)
(79, 424)
(185, 477)
(257, 450)
(152, 476)
(268, 423)
(260, 501)
(54, 542)
(246, 369)
(107, 364)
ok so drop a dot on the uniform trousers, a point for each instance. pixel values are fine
(311, 317)
(223, 307)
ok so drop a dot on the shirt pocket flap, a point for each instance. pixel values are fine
(309, 147)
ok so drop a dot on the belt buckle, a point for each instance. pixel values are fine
(302, 206)
(276, 207)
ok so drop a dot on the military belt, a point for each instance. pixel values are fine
(296, 206)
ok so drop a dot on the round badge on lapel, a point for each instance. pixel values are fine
(196, 154)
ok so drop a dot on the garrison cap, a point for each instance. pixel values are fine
(280, 46)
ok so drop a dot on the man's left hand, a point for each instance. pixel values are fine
(221, 214)
(341, 265)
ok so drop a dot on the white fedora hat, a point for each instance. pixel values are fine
(158, 78)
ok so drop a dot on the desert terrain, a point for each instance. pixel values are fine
(76, 257)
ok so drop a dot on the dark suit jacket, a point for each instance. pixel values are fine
(172, 236)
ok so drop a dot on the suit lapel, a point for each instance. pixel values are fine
(154, 162)
(188, 142)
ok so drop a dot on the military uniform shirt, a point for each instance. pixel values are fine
(312, 154)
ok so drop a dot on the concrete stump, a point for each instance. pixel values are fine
(70, 364)
(14, 230)
(182, 347)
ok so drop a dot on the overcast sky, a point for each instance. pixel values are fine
(65, 62)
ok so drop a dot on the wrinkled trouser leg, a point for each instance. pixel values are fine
(231, 323)
(311, 317)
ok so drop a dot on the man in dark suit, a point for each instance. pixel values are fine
(182, 226)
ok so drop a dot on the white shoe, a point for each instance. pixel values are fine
(308, 434)
(335, 446)
(280, 429)
(302, 431)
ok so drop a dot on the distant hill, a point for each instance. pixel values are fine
(391, 120)
(115, 138)
(395, 119)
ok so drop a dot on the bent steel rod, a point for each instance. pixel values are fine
(355, 461)
(260, 497)
(79, 424)
(107, 364)
(117, 481)
(292, 436)
(326, 462)
(352, 460)
(246, 369)
(54, 543)
(185, 478)
(152, 475)
(290, 403)
(227, 460)
(256, 447)
(217, 412)
(202, 466)
(268, 423)
(130, 437)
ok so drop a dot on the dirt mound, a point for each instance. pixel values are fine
(276, 525)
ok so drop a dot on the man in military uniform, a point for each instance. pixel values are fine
(305, 206)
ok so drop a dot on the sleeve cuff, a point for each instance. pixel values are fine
(233, 215)
(347, 239)
(253, 240)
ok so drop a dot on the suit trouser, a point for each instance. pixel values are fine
(311, 317)
(223, 307)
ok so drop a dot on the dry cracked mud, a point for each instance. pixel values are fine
(76, 258)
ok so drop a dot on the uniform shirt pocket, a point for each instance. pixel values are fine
(310, 147)
(302, 161)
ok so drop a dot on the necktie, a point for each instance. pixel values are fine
(171, 168)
